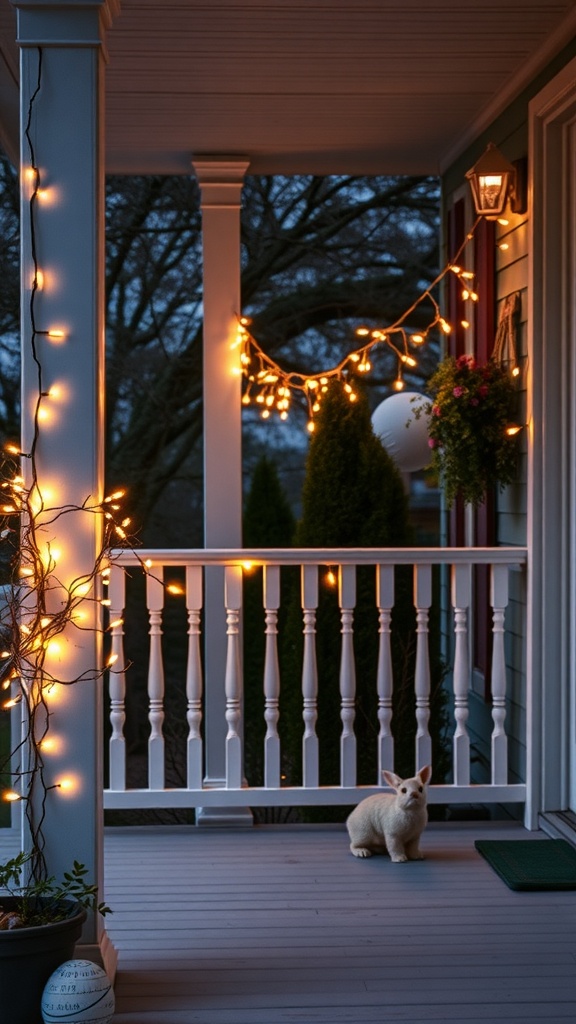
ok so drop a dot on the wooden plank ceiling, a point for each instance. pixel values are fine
(317, 86)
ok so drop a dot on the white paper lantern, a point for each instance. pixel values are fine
(78, 992)
(404, 436)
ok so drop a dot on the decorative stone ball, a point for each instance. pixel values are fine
(403, 433)
(78, 992)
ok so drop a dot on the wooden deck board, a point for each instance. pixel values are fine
(281, 924)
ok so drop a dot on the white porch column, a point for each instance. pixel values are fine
(220, 181)
(61, 99)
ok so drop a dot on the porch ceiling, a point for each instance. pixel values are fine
(329, 86)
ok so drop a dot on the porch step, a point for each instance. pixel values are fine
(559, 825)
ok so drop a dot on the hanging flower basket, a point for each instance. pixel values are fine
(471, 408)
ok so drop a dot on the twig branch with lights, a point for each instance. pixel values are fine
(41, 610)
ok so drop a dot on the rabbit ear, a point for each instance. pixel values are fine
(424, 774)
(392, 780)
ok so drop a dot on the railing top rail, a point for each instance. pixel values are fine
(513, 556)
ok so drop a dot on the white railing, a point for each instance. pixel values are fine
(448, 588)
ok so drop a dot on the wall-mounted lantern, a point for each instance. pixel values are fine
(493, 180)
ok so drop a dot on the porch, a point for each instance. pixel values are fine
(281, 923)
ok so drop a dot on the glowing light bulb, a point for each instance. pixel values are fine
(247, 566)
(330, 578)
(398, 384)
(173, 588)
(513, 429)
(10, 796)
(310, 426)
(362, 331)
(516, 371)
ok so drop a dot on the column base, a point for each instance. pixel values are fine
(103, 953)
(224, 817)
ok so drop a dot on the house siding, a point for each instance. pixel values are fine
(510, 132)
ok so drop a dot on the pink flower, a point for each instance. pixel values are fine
(432, 443)
(474, 401)
(436, 410)
(465, 362)
(458, 391)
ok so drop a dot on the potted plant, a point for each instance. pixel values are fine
(471, 433)
(40, 923)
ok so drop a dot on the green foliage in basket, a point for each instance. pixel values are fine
(471, 408)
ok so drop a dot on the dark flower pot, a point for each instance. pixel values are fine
(28, 956)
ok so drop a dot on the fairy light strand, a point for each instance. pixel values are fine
(272, 389)
(41, 607)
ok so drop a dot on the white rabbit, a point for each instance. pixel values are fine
(392, 822)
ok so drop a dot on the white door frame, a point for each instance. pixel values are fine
(551, 661)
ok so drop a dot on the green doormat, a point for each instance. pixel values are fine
(533, 864)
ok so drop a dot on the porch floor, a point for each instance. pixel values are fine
(280, 924)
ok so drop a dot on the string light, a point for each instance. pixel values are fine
(41, 639)
(11, 796)
(271, 388)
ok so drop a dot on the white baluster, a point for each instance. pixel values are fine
(310, 676)
(347, 601)
(499, 602)
(194, 680)
(155, 602)
(117, 679)
(385, 679)
(271, 591)
(233, 680)
(461, 596)
(422, 601)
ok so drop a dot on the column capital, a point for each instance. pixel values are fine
(64, 23)
(220, 179)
